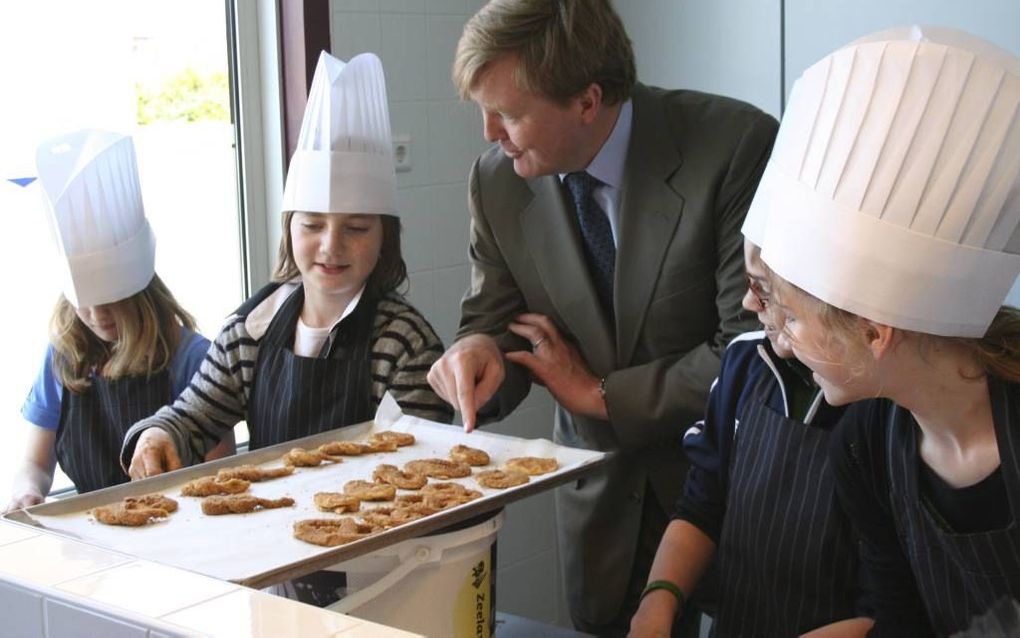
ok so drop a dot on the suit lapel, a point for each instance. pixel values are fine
(549, 229)
(649, 214)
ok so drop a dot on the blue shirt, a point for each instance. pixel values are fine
(42, 407)
(607, 167)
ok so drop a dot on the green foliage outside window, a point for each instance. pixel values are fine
(187, 96)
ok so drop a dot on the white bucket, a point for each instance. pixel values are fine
(441, 585)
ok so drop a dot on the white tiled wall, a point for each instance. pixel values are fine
(416, 40)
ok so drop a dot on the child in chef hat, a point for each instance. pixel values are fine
(120, 346)
(319, 347)
(893, 207)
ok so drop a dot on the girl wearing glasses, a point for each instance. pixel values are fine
(893, 252)
(759, 499)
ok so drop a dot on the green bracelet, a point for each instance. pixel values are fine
(668, 586)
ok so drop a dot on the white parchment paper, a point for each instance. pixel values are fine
(242, 546)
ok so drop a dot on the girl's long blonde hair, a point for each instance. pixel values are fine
(148, 333)
(997, 353)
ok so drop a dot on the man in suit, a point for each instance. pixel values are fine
(622, 318)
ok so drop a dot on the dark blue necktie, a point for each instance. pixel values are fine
(599, 249)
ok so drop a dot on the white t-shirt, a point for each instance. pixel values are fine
(308, 341)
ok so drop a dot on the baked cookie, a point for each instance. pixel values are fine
(469, 455)
(209, 485)
(501, 479)
(342, 448)
(331, 532)
(532, 465)
(402, 439)
(300, 457)
(370, 491)
(241, 504)
(398, 478)
(336, 502)
(253, 473)
(438, 468)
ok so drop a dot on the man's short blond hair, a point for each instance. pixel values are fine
(562, 47)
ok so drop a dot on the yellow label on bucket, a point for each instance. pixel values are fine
(473, 610)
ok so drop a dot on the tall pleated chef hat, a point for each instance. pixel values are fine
(344, 157)
(893, 190)
(90, 187)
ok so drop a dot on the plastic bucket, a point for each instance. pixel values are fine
(439, 585)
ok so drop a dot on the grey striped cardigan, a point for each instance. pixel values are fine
(404, 347)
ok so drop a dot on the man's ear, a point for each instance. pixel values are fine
(879, 337)
(590, 101)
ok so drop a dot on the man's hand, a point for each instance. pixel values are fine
(556, 364)
(468, 374)
(154, 454)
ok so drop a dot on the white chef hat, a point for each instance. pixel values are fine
(893, 191)
(344, 157)
(90, 188)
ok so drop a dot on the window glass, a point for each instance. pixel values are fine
(154, 69)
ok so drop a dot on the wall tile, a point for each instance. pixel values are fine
(455, 130)
(453, 223)
(418, 220)
(402, 51)
(370, 6)
(443, 33)
(353, 33)
(24, 615)
(450, 284)
(411, 118)
(421, 294)
(464, 7)
(527, 423)
(401, 6)
(529, 529)
(63, 619)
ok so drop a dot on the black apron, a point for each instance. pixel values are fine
(297, 396)
(93, 425)
(959, 576)
(787, 561)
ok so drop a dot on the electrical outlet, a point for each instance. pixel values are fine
(402, 153)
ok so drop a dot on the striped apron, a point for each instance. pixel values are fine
(297, 396)
(959, 576)
(786, 559)
(93, 424)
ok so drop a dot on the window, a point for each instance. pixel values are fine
(159, 70)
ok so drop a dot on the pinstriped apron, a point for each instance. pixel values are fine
(959, 576)
(93, 424)
(297, 396)
(787, 562)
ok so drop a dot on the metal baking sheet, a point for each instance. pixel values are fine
(258, 549)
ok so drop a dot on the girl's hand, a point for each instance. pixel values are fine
(23, 501)
(154, 454)
(655, 616)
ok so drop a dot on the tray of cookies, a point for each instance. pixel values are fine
(280, 512)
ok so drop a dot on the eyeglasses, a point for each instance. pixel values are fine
(760, 296)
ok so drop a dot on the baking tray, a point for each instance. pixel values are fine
(258, 549)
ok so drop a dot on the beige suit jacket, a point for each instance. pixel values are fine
(692, 165)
